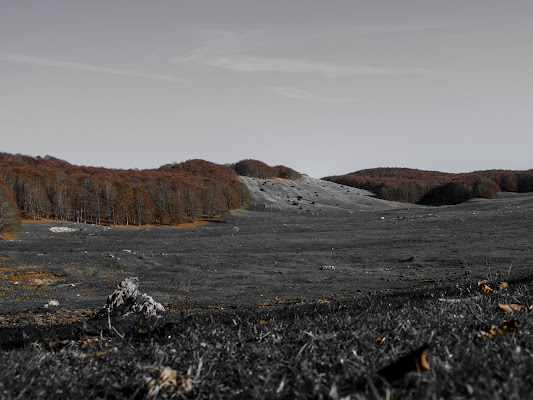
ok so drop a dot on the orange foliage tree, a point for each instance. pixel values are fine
(9, 215)
(173, 194)
(436, 188)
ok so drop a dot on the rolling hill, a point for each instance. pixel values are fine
(310, 195)
(433, 187)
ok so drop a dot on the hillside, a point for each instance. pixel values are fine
(310, 195)
(433, 187)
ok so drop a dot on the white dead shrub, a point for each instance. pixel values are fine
(127, 300)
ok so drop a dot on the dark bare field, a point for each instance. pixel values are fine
(421, 266)
(277, 249)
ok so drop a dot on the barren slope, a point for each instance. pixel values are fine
(311, 195)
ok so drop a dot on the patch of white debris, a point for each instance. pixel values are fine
(62, 229)
(52, 303)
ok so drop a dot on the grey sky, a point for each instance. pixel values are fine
(325, 87)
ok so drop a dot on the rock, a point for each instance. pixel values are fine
(127, 300)
(52, 303)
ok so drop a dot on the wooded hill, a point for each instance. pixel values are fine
(258, 169)
(173, 194)
(35, 188)
(435, 188)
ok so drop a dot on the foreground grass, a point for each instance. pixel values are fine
(331, 350)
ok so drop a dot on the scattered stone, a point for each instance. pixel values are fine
(327, 267)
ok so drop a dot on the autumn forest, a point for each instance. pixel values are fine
(173, 194)
(36, 188)
(435, 188)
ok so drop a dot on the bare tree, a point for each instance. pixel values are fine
(9, 215)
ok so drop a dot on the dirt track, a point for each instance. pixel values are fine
(278, 252)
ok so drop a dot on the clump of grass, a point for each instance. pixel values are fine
(314, 350)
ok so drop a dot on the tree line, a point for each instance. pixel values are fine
(173, 194)
(435, 188)
(260, 170)
(9, 216)
(36, 187)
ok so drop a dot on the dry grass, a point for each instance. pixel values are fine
(12, 236)
(44, 317)
(22, 267)
(29, 220)
(316, 350)
(191, 224)
(16, 236)
(35, 278)
(5, 258)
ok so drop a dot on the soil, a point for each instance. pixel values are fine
(271, 253)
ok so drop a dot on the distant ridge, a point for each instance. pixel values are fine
(433, 187)
(258, 169)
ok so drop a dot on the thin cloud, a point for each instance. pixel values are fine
(231, 51)
(73, 66)
(294, 65)
(404, 28)
(298, 94)
(216, 43)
